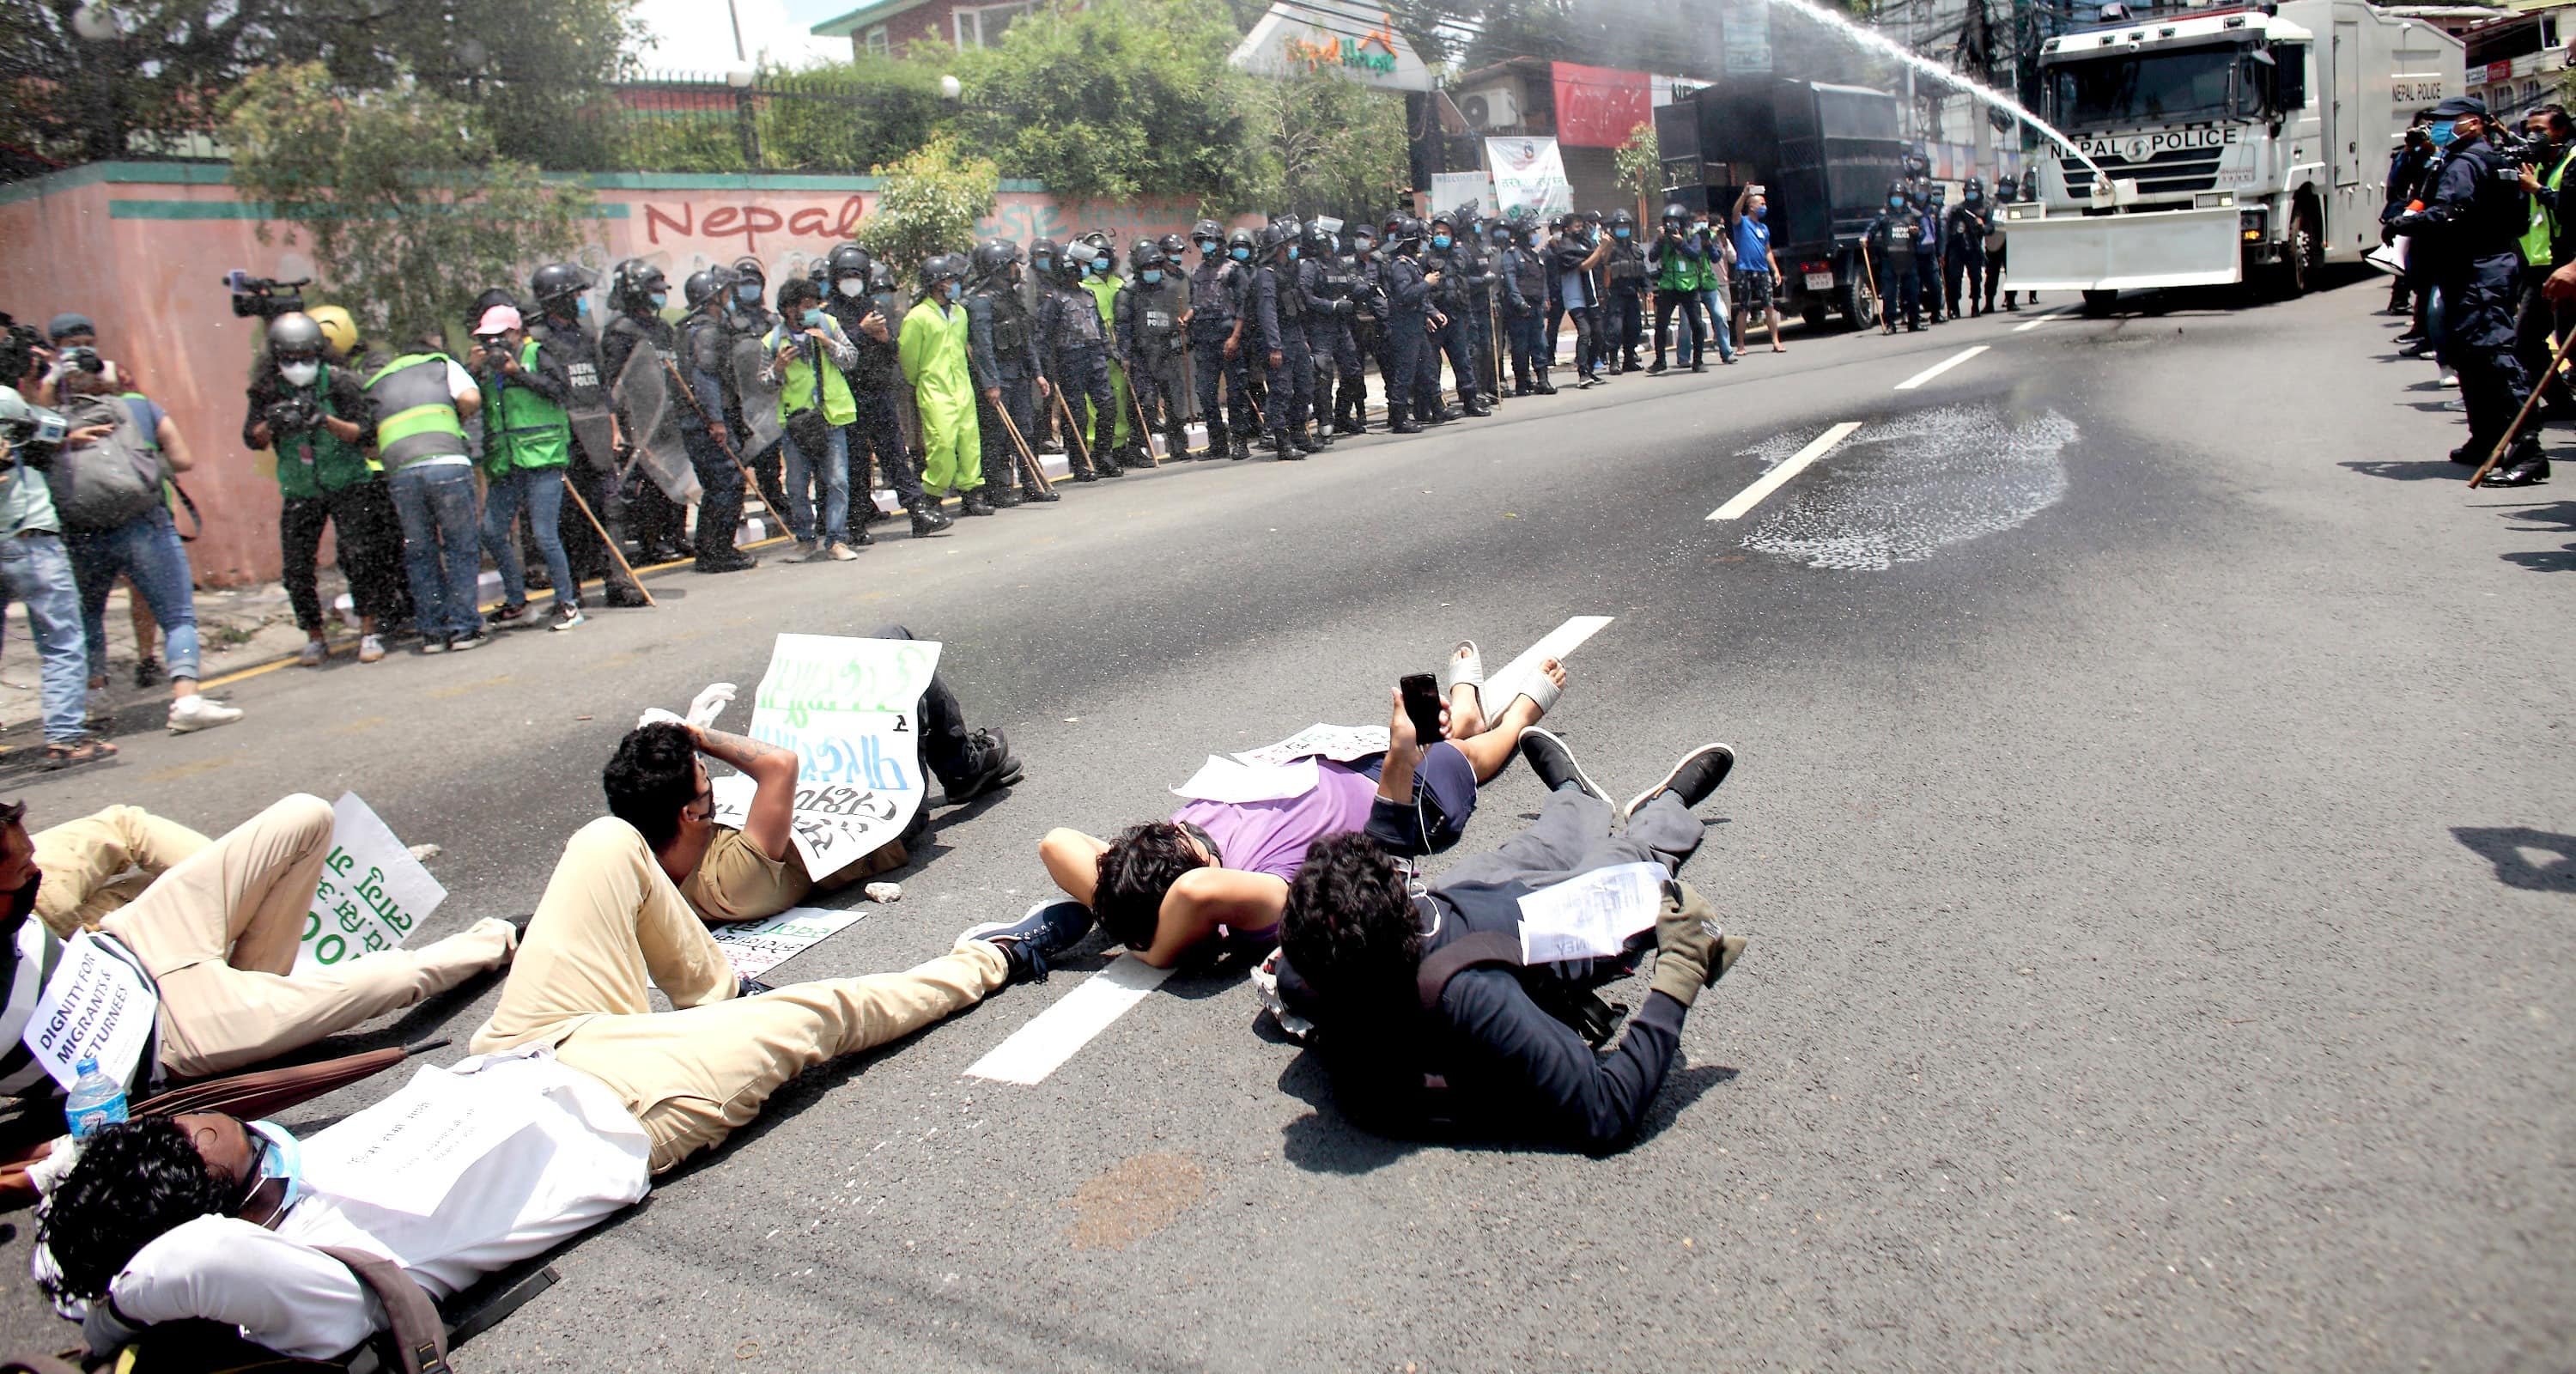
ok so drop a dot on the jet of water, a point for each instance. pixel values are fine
(1878, 42)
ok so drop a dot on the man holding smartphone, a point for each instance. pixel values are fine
(1217, 873)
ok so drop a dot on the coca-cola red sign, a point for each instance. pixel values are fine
(1598, 107)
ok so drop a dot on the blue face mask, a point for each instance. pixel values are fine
(581, 307)
(1239, 253)
(956, 289)
(1153, 276)
(1100, 267)
(1619, 233)
(1760, 210)
(283, 1159)
(659, 299)
(1439, 240)
(1363, 246)
(2442, 133)
(1207, 247)
(1292, 252)
(1896, 202)
(1974, 196)
(813, 319)
(1043, 264)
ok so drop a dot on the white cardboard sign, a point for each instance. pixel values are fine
(850, 710)
(373, 893)
(96, 1006)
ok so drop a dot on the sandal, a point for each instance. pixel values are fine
(70, 755)
(1468, 671)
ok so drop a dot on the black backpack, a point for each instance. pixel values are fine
(106, 484)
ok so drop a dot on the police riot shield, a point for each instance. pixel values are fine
(656, 415)
(587, 408)
(748, 360)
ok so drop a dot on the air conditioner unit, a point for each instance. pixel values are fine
(1491, 107)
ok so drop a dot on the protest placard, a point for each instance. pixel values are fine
(373, 893)
(1340, 743)
(1591, 916)
(756, 947)
(96, 1006)
(848, 707)
(406, 1153)
(1529, 177)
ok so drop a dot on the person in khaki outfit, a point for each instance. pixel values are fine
(96, 864)
(613, 921)
(217, 934)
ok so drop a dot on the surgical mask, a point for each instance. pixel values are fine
(851, 287)
(1043, 264)
(1100, 267)
(813, 318)
(1207, 246)
(1761, 210)
(1974, 196)
(748, 293)
(1439, 240)
(2442, 133)
(581, 307)
(299, 374)
(1896, 202)
(1153, 276)
(956, 289)
(283, 1159)
(1292, 252)
(1699, 226)
(1619, 233)
(660, 299)
(1239, 253)
(1363, 245)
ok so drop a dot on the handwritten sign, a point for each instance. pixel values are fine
(406, 1153)
(1340, 743)
(373, 893)
(1529, 177)
(96, 1006)
(756, 947)
(850, 710)
(1592, 916)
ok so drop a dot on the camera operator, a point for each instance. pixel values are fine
(34, 566)
(316, 416)
(2548, 244)
(2469, 229)
(562, 325)
(527, 445)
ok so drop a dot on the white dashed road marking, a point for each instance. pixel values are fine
(1940, 367)
(1796, 463)
(2028, 325)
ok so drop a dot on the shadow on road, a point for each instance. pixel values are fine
(2507, 847)
(2411, 471)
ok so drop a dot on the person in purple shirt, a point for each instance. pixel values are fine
(1219, 871)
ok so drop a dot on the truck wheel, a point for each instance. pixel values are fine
(1859, 304)
(2300, 255)
(2099, 302)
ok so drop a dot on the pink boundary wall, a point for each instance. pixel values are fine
(145, 258)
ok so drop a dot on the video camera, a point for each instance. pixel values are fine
(264, 298)
(2515, 148)
(81, 356)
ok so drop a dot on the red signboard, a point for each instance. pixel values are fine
(1598, 107)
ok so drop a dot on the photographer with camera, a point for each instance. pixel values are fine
(2468, 234)
(2549, 243)
(527, 444)
(34, 565)
(315, 415)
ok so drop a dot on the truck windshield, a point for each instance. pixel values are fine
(2148, 88)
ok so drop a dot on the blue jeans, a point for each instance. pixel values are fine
(442, 551)
(146, 551)
(36, 569)
(835, 477)
(1719, 332)
(541, 490)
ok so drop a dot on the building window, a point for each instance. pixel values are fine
(981, 26)
(878, 44)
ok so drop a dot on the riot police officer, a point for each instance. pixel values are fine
(1338, 378)
(699, 412)
(1408, 308)
(1075, 350)
(1365, 270)
(1625, 274)
(1279, 313)
(1964, 253)
(1241, 351)
(2470, 230)
(1152, 346)
(1523, 274)
(1447, 268)
(747, 320)
(637, 292)
(1211, 324)
(1479, 262)
(1895, 240)
(1927, 264)
(876, 434)
(562, 294)
(1003, 347)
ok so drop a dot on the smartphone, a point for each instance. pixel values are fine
(1421, 692)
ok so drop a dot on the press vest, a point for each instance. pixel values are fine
(418, 418)
(2543, 231)
(796, 389)
(316, 461)
(533, 431)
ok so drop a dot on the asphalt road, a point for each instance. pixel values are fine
(2154, 826)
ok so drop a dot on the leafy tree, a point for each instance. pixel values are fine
(1640, 166)
(1322, 143)
(842, 116)
(405, 205)
(168, 63)
(1116, 100)
(932, 199)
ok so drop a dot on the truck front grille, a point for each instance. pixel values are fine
(2175, 169)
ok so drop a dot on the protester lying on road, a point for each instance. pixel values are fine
(98, 863)
(612, 918)
(217, 936)
(754, 871)
(1421, 1006)
(1222, 869)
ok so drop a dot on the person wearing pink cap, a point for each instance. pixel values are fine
(527, 444)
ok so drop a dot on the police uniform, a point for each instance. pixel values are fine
(1154, 351)
(1071, 340)
(1408, 299)
(2470, 230)
(1003, 346)
(1966, 252)
(1213, 291)
(593, 472)
(1451, 302)
(878, 432)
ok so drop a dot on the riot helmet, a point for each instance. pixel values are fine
(994, 257)
(1151, 263)
(1173, 245)
(1044, 255)
(556, 283)
(1239, 245)
(705, 284)
(633, 285)
(294, 335)
(1974, 190)
(1208, 235)
(750, 281)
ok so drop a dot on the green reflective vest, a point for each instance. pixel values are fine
(796, 390)
(2543, 230)
(522, 429)
(416, 417)
(318, 461)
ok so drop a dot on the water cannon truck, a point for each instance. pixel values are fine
(2246, 144)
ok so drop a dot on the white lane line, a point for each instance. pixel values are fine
(1058, 1033)
(1771, 481)
(1558, 643)
(2028, 325)
(1940, 367)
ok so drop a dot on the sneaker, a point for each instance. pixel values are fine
(465, 643)
(148, 671)
(433, 644)
(1692, 779)
(371, 648)
(1001, 767)
(843, 553)
(567, 615)
(1554, 763)
(312, 654)
(1028, 943)
(195, 712)
(805, 550)
(525, 615)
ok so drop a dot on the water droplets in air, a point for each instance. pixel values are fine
(1902, 491)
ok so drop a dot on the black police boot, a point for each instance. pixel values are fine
(1037, 495)
(1473, 406)
(1003, 495)
(1306, 442)
(1399, 419)
(928, 519)
(856, 535)
(1656, 368)
(973, 503)
(1543, 386)
(2525, 466)
(1238, 450)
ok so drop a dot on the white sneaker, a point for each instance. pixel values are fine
(194, 712)
(843, 553)
(526, 616)
(371, 648)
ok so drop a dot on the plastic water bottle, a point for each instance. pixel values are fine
(96, 1102)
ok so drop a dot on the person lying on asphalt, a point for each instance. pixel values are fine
(1422, 1009)
(753, 871)
(205, 1216)
(98, 863)
(1219, 871)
